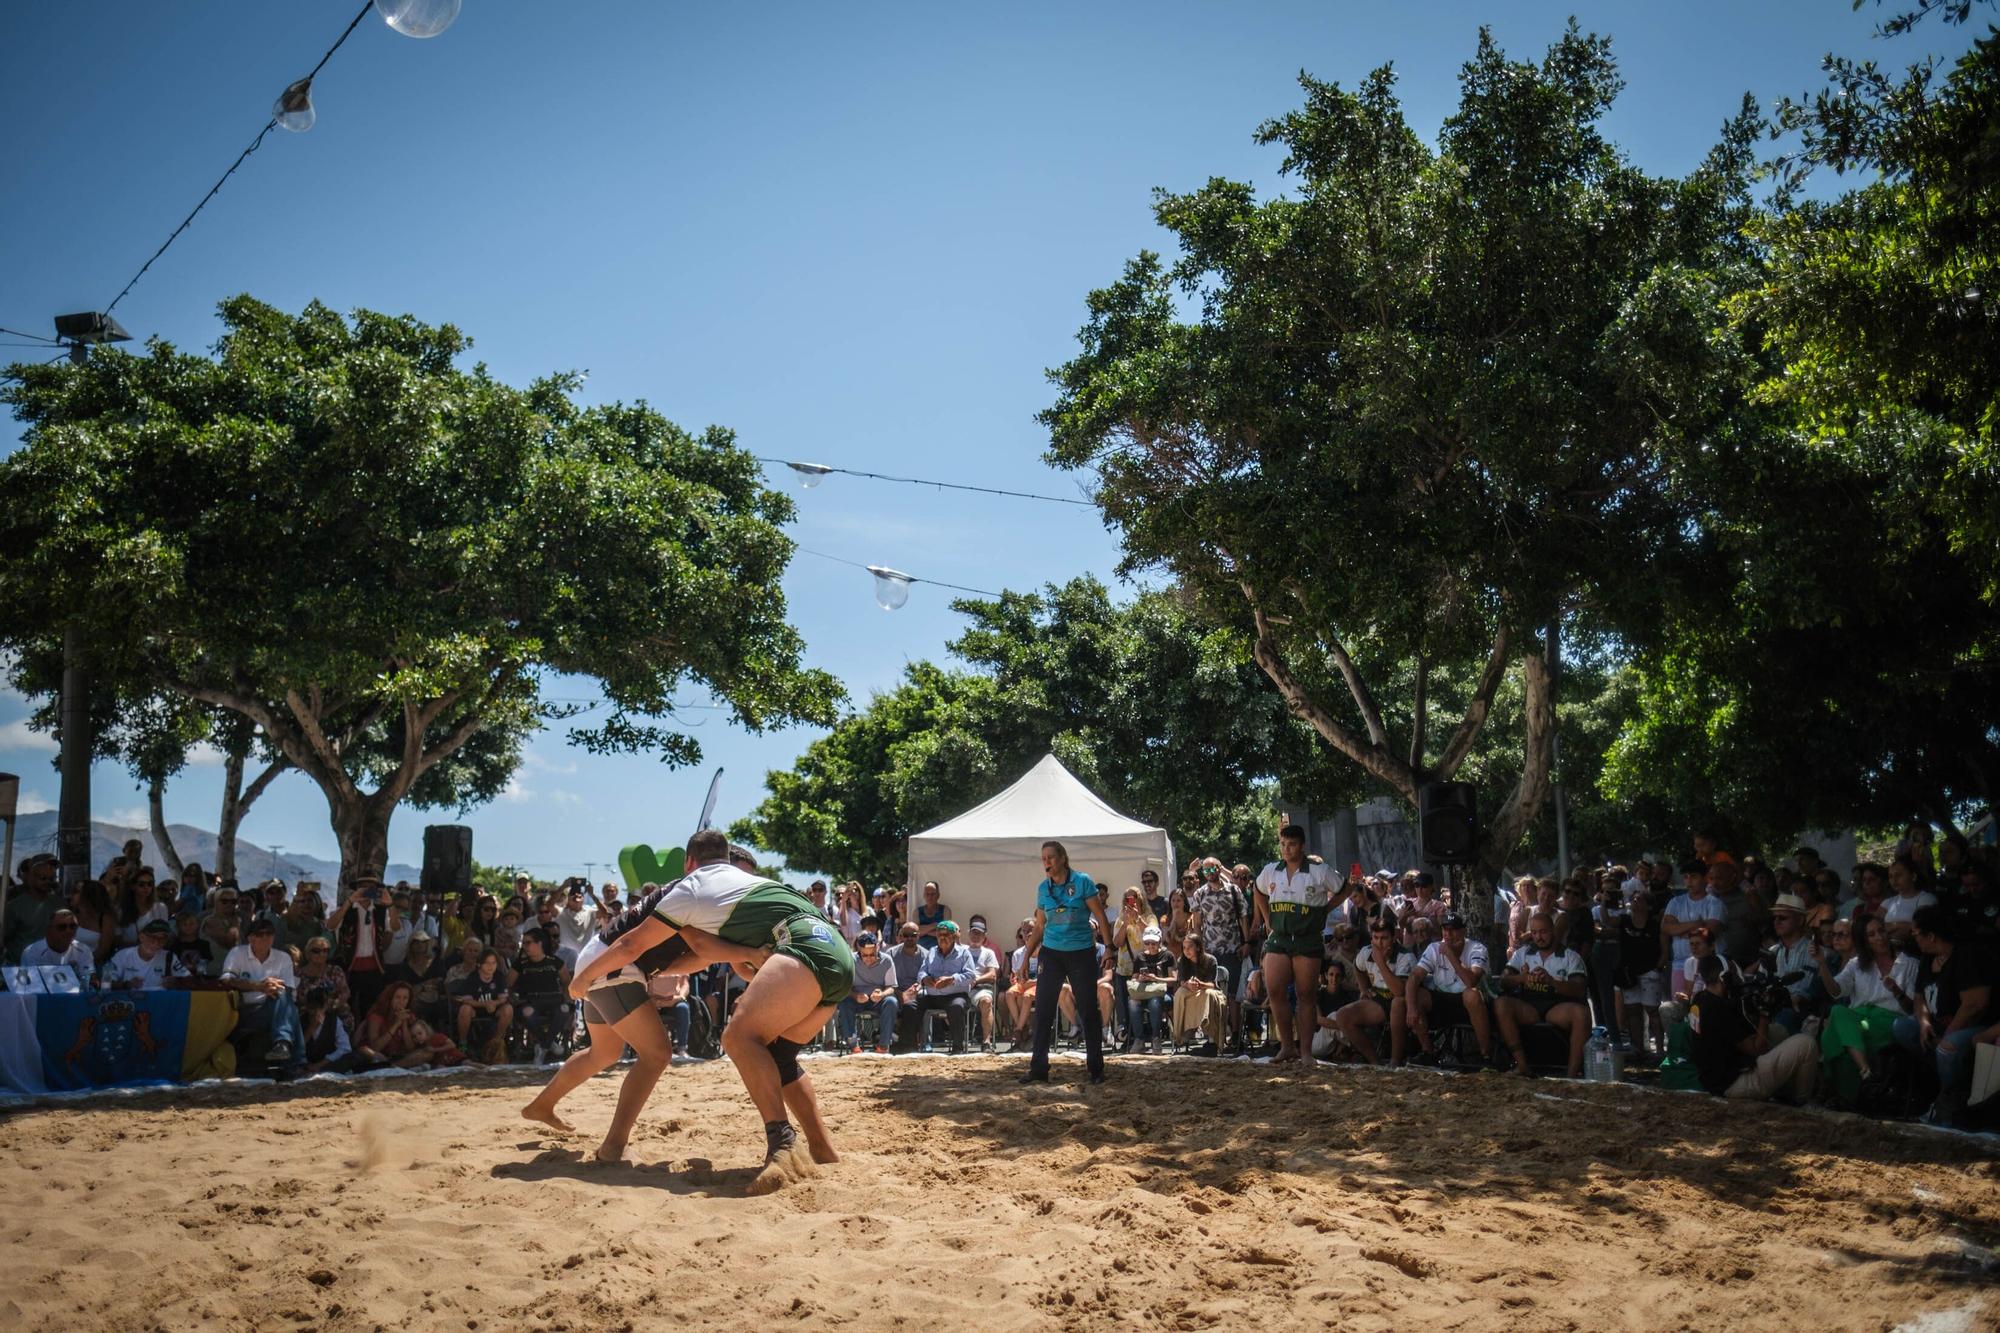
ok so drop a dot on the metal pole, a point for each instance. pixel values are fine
(1553, 656)
(73, 806)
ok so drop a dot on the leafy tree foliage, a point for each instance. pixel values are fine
(333, 532)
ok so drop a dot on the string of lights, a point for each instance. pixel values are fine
(811, 474)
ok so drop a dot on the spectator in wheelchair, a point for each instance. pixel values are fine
(1543, 984)
(541, 983)
(485, 1009)
(1384, 968)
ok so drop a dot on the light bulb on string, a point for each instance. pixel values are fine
(892, 587)
(418, 18)
(294, 108)
(810, 474)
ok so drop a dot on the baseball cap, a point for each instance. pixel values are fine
(1150, 934)
(976, 922)
(947, 927)
(157, 926)
(1453, 921)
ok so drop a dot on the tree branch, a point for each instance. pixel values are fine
(262, 780)
(1419, 714)
(1364, 698)
(1481, 703)
(1537, 763)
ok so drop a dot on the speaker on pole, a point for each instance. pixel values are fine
(447, 858)
(1448, 822)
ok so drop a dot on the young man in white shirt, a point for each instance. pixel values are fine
(145, 965)
(1444, 987)
(1384, 969)
(1543, 984)
(1693, 905)
(265, 977)
(985, 980)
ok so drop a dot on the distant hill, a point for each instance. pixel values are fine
(37, 833)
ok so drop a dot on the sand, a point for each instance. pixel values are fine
(1184, 1194)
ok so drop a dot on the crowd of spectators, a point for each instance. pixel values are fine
(1743, 977)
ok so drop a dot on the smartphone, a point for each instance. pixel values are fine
(1354, 873)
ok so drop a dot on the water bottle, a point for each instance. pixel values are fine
(1597, 1063)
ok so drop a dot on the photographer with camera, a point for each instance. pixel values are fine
(363, 925)
(1733, 1022)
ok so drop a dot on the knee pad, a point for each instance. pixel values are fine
(786, 1053)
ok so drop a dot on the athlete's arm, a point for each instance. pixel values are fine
(714, 949)
(648, 933)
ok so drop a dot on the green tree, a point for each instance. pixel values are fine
(333, 532)
(1400, 422)
(1157, 710)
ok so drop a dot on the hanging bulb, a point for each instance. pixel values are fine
(418, 18)
(810, 474)
(294, 108)
(892, 587)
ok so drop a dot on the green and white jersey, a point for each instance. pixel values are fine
(733, 904)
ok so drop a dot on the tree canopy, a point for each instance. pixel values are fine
(333, 531)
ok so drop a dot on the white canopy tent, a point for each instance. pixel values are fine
(989, 859)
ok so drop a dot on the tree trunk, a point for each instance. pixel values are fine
(362, 829)
(232, 816)
(162, 840)
(1522, 806)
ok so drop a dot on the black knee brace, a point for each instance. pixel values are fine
(786, 1053)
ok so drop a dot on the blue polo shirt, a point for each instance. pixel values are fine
(1066, 912)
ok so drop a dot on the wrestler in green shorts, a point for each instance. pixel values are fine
(812, 940)
(1297, 930)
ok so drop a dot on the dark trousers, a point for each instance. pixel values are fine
(954, 1009)
(1079, 968)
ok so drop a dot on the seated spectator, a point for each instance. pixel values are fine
(985, 981)
(425, 971)
(139, 902)
(1726, 1038)
(1640, 979)
(1879, 986)
(467, 964)
(30, 905)
(317, 972)
(1199, 1005)
(1444, 989)
(540, 986)
(326, 1047)
(908, 960)
(1384, 968)
(1022, 969)
(190, 947)
(96, 920)
(1954, 1003)
(222, 927)
(145, 965)
(58, 947)
(1146, 991)
(671, 994)
(1794, 960)
(874, 993)
(1684, 982)
(392, 1034)
(944, 982)
(483, 999)
(1871, 887)
(269, 986)
(1543, 984)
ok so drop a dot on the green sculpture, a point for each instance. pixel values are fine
(641, 866)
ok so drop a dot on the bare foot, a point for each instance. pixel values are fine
(824, 1154)
(608, 1151)
(546, 1115)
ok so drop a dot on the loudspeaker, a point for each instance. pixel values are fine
(1448, 822)
(447, 858)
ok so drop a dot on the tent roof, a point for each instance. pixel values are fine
(1048, 802)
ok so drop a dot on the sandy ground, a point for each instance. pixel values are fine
(1184, 1194)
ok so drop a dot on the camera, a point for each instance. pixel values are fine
(1763, 996)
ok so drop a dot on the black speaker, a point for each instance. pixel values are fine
(1448, 822)
(447, 858)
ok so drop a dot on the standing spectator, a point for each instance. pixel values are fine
(268, 987)
(404, 916)
(1146, 994)
(1293, 897)
(30, 906)
(1174, 925)
(364, 924)
(1519, 910)
(485, 922)
(1955, 1001)
(1692, 906)
(817, 893)
(1607, 949)
(59, 947)
(851, 909)
(1222, 911)
(1445, 986)
(1384, 968)
(1899, 909)
(874, 993)
(145, 965)
(96, 920)
(1067, 904)
(1724, 1035)
(222, 927)
(1743, 921)
(985, 980)
(138, 903)
(574, 921)
(305, 919)
(1543, 983)
(193, 891)
(1871, 887)
(1156, 902)
(1640, 977)
(271, 906)
(929, 914)
(1879, 985)
(1425, 901)
(878, 903)
(944, 982)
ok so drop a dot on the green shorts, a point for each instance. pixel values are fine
(1296, 946)
(812, 940)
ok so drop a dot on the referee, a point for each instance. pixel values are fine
(1066, 901)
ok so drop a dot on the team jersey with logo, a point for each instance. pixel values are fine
(1560, 964)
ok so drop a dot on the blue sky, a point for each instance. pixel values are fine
(856, 234)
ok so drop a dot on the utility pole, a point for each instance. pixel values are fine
(1554, 658)
(78, 333)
